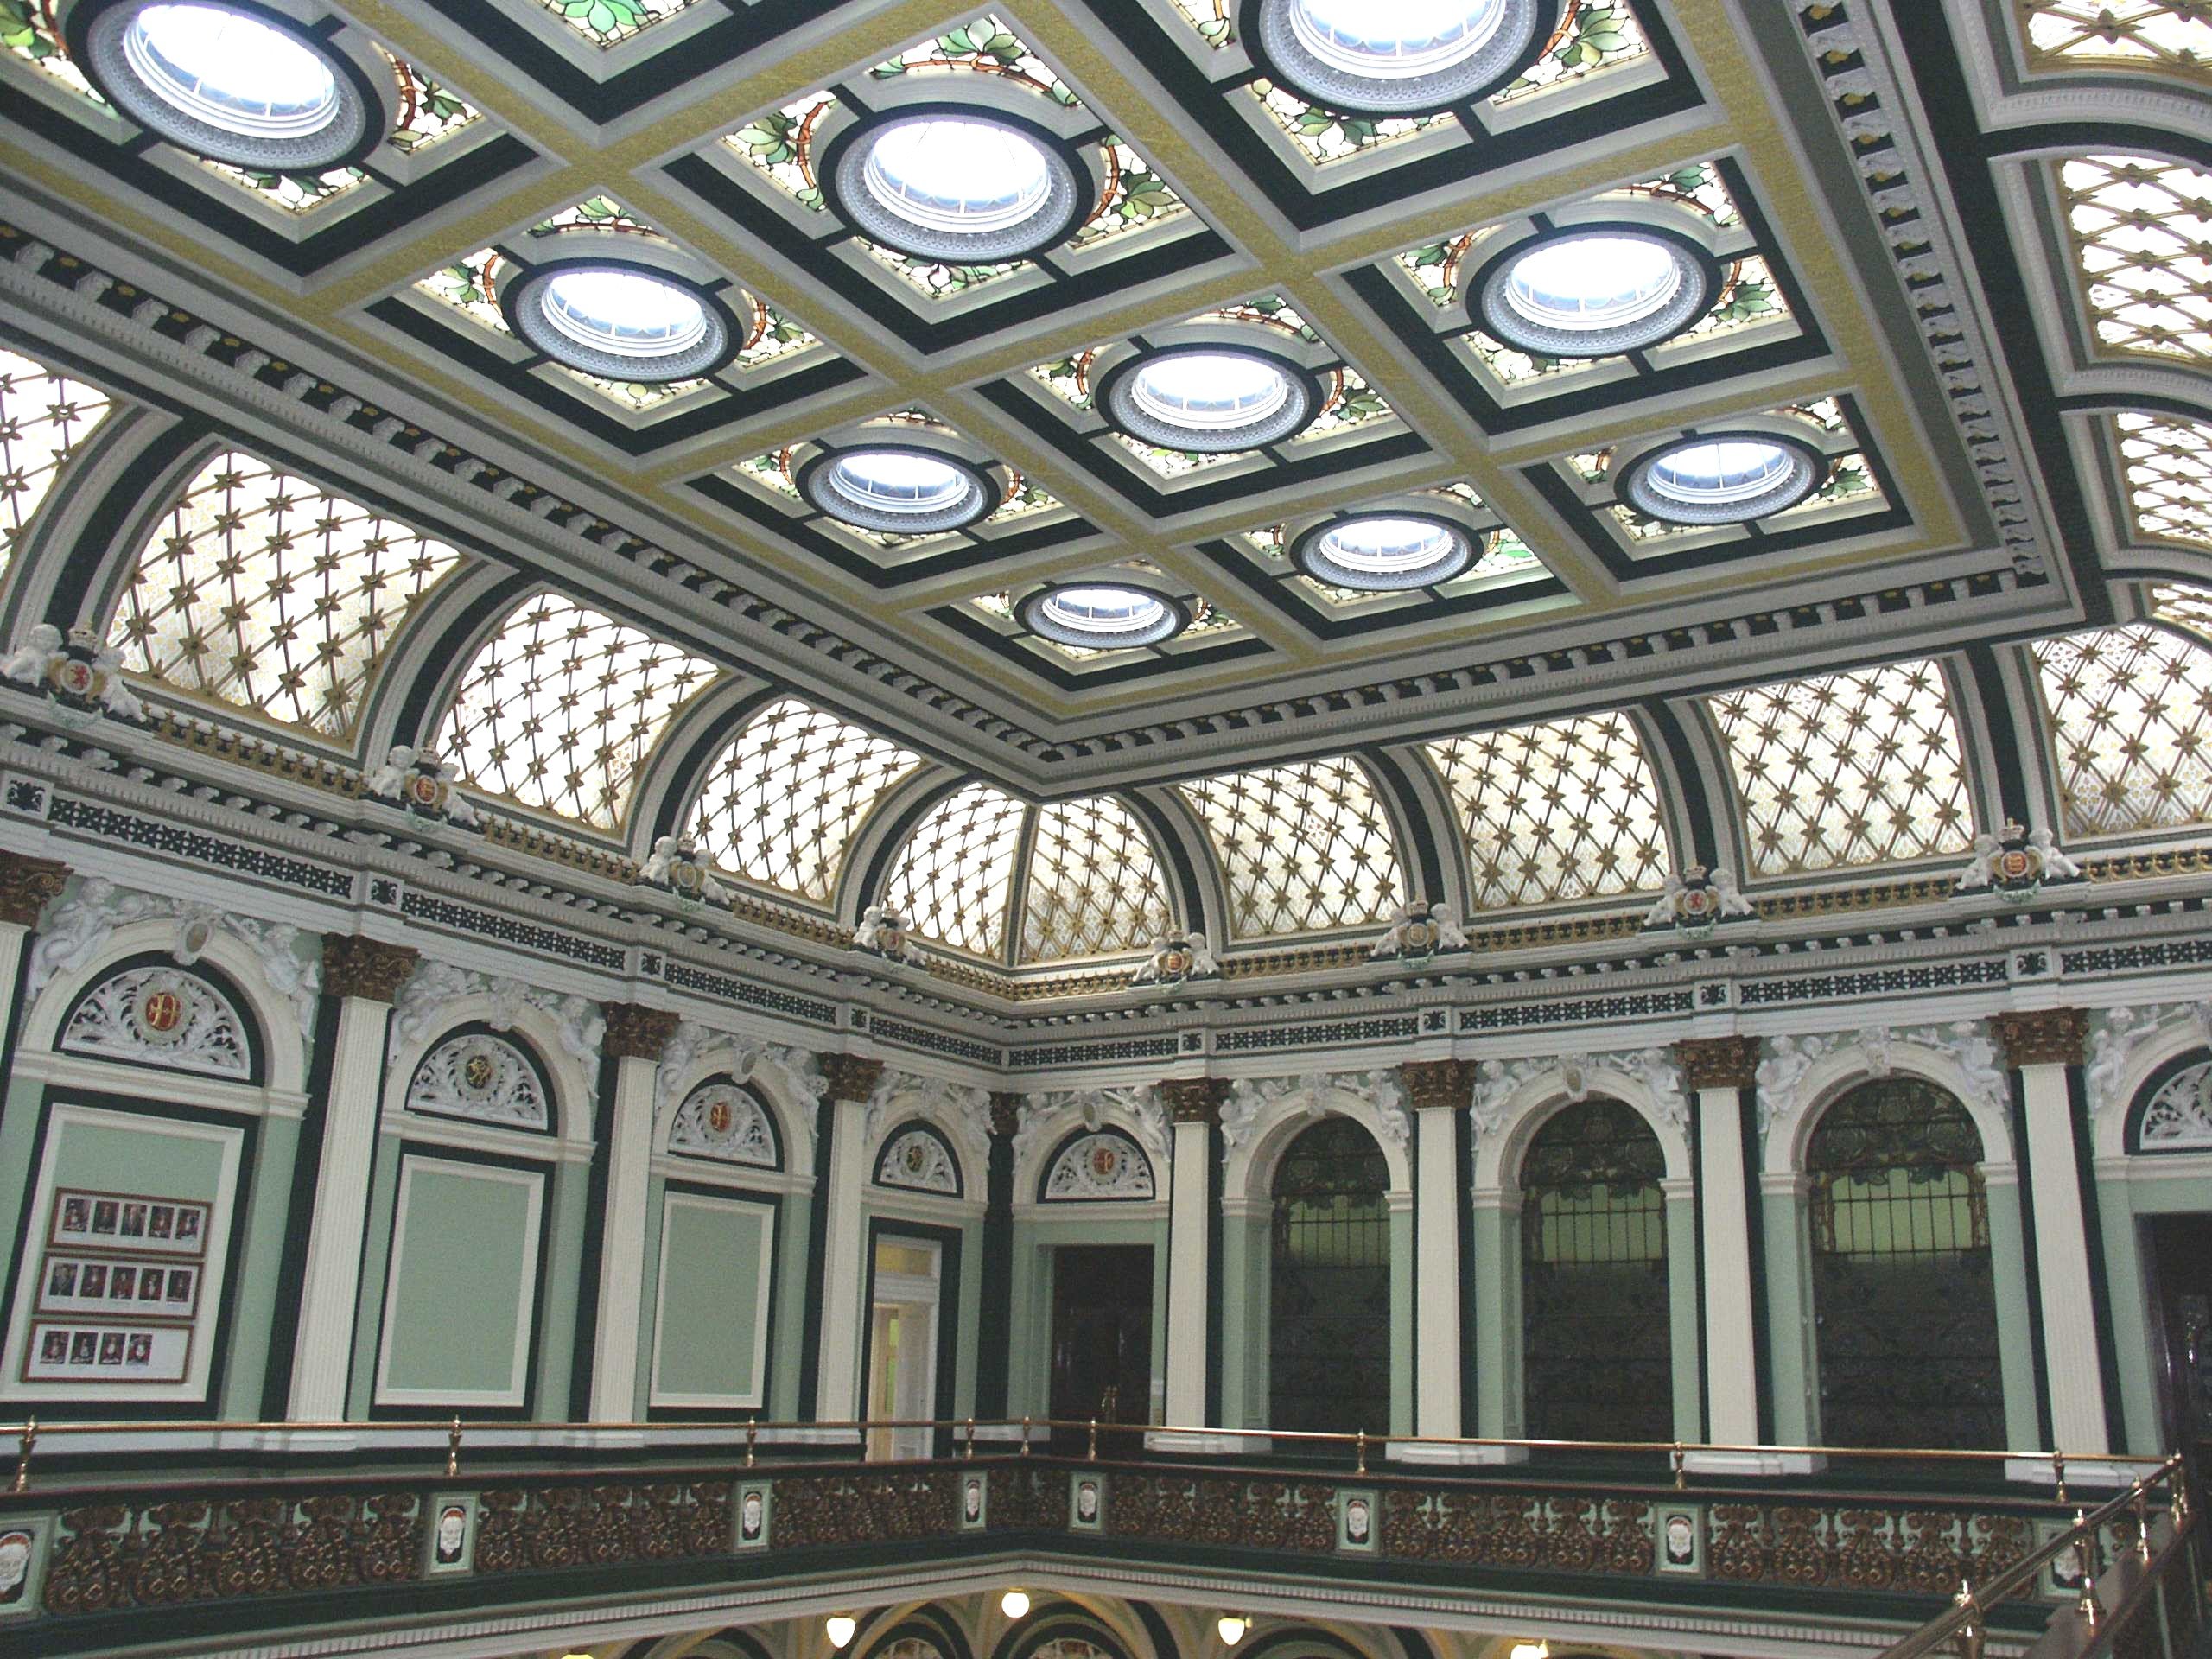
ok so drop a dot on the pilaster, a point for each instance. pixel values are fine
(852, 1079)
(635, 1039)
(1194, 1108)
(1721, 1069)
(1439, 1092)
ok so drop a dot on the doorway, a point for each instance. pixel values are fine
(1102, 1335)
(2180, 1252)
(902, 1347)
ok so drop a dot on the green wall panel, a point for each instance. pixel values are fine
(462, 1287)
(710, 1325)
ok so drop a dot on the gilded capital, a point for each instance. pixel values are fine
(1438, 1085)
(1006, 1111)
(636, 1033)
(2042, 1037)
(365, 967)
(27, 885)
(1194, 1100)
(851, 1077)
(1717, 1062)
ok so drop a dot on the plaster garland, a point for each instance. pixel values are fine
(1380, 1090)
(1655, 1068)
(695, 1042)
(1965, 1043)
(964, 1110)
(1138, 1104)
(2116, 1035)
(435, 986)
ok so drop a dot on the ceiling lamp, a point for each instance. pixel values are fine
(1532, 1650)
(969, 187)
(1014, 1604)
(840, 1629)
(1102, 616)
(624, 322)
(1727, 478)
(1383, 553)
(1232, 1627)
(1594, 293)
(1407, 57)
(898, 489)
(232, 85)
(1210, 399)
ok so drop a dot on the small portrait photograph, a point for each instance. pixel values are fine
(161, 1221)
(149, 1284)
(76, 1214)
(15, 1566)
(122, 1284)
(53, 1348)
(1090, 1501)
(112, 1348)
(93, 1282)
(1359, 1521)
(141, 1348)
(1681, 1542)
(971, 1501)
(188, 1222)
(134, 1221)
(84, 1347)
(180, 1283)
(751, 1518)
(61, 1279)
(104, 1215)
(453, 1533)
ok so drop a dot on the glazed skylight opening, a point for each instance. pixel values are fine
(898, 491)
(1209, 399)
(233, 71)
(1102, 615)
(1595, 293)
(1386, 552)
(626, 313)
(1721, 481)
(965, 188)
(1400, 57)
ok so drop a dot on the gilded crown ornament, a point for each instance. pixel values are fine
(674, 865)
(1173, 961)
(81, 675)
(1418, 933)
(1695, 903)
(2017, 863)
(420, 784)
(882, 932)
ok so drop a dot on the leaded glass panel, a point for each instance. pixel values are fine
(2163, 37)
(2131, 708)
(1329, 1250)
(1094, 883)
(1302, 848)
(2168, 463)
(43, 417)
(954, 880)
(2142, 229)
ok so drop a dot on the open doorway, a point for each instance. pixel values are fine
(902, 1346)
(1102, 1334)
(2179, 1248)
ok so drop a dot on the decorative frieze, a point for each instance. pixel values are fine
(1790, 1060)
(2042, 1037)
(425, 1003)
(1654, 1068)
(637, 1032)
(692, 1046)
(353, 966)
(1380, 1091)
(1718, 1062)
(1139, 1106)
(27, 885)
(2117, 1035)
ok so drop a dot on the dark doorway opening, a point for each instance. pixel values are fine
(1101, 1337)
(2179, 1248)
(1329, 1348)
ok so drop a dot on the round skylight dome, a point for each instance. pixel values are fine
(229, 84)
(1592, 293)
(969, 184)
(1104, 616)
(1210, 399)
(1726, 479)
(621, 321)
(897, 490)
(1398, 57)
(1385, 552)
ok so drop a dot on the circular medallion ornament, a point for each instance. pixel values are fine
(1106, 1159)
(898, 489)
(425, 792)
(1209, 399)
(72, 677)
(620, 321)
(1723, 478)
(1596, 291)
(718, 1116)
(1409, 57)
(1102, 616)
(478, 1071)
(160, 1012)
(957, 182)
(914, 1157)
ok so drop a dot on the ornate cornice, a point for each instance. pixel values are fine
(1718, 1062)
(1438, 1085)
(1194, 1100)
(2042, 1037)
(851, 1077)
(636, 1033)
(353, 966)
(27, 885)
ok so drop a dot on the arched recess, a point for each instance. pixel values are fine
(1958, 1066)
(1306, 848)
(929, 1632)
(62, 439)
(158, 1082)
(1329, 1267)
(468, 1166)
(1062, 1629)
(1647, 1085)
(1261, 1122)
(884, 836)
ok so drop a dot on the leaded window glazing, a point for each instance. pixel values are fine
(1303, 848)
(2143, 239)
(781, 803)
(268, 591)
(1597, 1341)
(2167, 461)
(562, 706)
(2131, 711)
(2164, 36)
(1094, 883)
(1563, 810)
(1329, 1284)
(1847, 769)
(954, 878)
(1905, 1307)
(43, 417)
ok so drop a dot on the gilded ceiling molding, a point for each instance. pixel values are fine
(355, 966)
(27, 885)
(1718, 1062)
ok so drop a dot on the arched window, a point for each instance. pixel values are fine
(1597, 1342)
(1905, 1310)
(1329, 1347)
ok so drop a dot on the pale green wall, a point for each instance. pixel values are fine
(710, 1311)
(788, 1286)
(467, 1241)
(1687, 1342)
(2122, 1206)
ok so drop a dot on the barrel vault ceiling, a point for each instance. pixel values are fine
(1898, 276)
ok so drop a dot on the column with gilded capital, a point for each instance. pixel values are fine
(1439, 1092)
(363, 977)
(635, 1039)
(843, 1150)
(995, 1328)
(2045, 1047)
(27, 885)
(1194, 1108)
(1721, 1069)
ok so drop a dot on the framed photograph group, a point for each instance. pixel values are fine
(118, 1288)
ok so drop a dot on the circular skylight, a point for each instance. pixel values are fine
(1104, 616)
(229, 84)
(1398, 57)
(1596, 292)
(1385, 552)
(969, 186)
(1726, 479)
(896, 490)
(1208, 398)
(621, 321)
